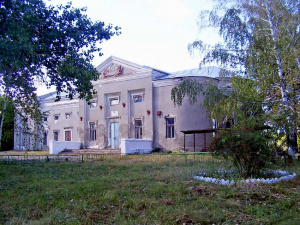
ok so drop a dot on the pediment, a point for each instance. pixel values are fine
(115, 67)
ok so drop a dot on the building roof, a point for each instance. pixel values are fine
(51, 97)
(210, 71)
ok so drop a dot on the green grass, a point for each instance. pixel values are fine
(15, 152)
(138, 190)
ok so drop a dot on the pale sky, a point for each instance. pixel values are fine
(155, 33)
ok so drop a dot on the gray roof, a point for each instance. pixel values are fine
(210, 71)
(51, 97)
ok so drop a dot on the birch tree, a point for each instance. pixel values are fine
(261, 42)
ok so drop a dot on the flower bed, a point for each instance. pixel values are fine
(279, 176)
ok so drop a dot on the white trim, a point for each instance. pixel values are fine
(133, 95)
(93, 101)
(171, 115)
(138, 118)
(113, 98)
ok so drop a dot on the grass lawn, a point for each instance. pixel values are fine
(15, 152)
(138, 190)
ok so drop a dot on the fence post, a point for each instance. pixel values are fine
(82, 158)
(47, 158)
(185, 157)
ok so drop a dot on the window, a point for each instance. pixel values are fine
(93, 103)
(68, 115)
(114, 100)
(169, 127)
(45, 138)
(55, 135)
(68, 135)
(137, 98)
(45, 119)
(56, 116)
(92, 132)
(138, 129)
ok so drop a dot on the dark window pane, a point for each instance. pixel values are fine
(137, 98)
(138, 123)
(170, 121)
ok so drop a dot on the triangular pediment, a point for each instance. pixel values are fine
(114, 67)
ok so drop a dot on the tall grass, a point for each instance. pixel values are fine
(137, 190)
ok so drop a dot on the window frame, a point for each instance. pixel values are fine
(55, 137)
(138, 129)
(137, 96)
(65, 136)
(45, 138)
(170, 128)
(114, 98)
(68, 115)
(93, 132)
(93, 103)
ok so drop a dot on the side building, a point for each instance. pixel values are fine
(132, 102)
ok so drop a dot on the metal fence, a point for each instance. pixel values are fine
(176, 157)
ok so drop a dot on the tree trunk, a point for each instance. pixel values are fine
(2, 118)
(289, 129)
(292, 142)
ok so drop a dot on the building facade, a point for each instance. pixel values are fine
(132, 102)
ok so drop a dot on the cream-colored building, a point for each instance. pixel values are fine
(132, 102)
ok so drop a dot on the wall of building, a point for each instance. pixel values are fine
(61, 116)
(186, 117)
(26, 136)
(124, 87)
(141, 108)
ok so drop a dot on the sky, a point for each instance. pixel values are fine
(155, 33)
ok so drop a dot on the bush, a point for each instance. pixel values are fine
(248, 148)
(156, 150)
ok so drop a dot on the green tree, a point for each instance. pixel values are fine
(261, 42)
(53, 45)
(240, 108)
(240, 105)
(7, 140)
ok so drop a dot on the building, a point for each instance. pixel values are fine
(132, 102)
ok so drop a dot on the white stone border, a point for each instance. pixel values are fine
(284, 175)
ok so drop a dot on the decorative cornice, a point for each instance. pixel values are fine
(61, 105)
(125, 77)
(121, 62)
